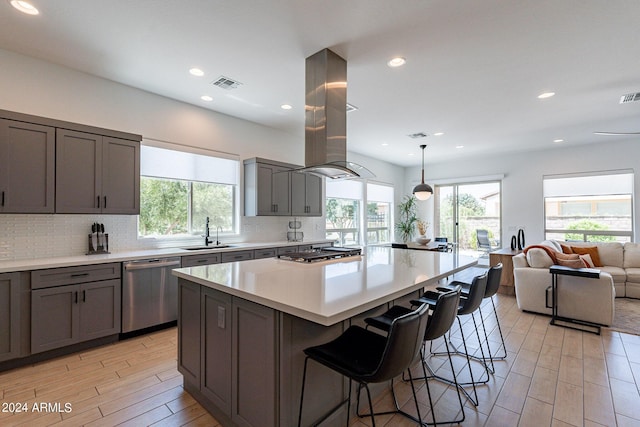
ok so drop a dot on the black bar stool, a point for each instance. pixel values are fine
(468, 305)
(493, 284)
(444, 312)
(367, 357)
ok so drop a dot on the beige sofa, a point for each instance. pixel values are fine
(590, 300)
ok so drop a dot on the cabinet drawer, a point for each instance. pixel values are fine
(303, 248)
(237, 256)
(71, 275)
(287, 250)
(195, 260)
(264, 253)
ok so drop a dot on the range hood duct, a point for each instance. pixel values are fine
(326, 119)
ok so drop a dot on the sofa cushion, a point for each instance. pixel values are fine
(538, 258)
(610, 253)
(619, 274)
(633, 274)
(586, 259)
(565, 249)
(572, 263)
(592, 251)
(631, 255)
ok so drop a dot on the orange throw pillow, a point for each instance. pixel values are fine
(567, 257)
(572, 263)
(566, 249)
(592, 251)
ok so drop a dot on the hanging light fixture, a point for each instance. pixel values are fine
(422, 191)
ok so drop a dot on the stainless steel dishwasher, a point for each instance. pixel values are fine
(149, 293)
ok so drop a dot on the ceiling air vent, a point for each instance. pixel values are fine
(630, 97)
(417, 135)
(226, 83)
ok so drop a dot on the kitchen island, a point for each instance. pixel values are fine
(242, 326)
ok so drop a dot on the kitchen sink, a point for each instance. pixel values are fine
(202, 248)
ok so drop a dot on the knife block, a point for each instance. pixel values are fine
(100, 249)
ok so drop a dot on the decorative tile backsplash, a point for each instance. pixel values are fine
(41, 236)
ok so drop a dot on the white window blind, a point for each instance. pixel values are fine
(172, 164)
(344, 190)
(606, 183)
(379, 193)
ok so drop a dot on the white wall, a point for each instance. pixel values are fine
(522, 202)
(36, 87)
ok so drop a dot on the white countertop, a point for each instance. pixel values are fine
(69, 261)
(329, 292)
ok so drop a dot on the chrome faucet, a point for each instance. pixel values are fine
(218, 228)
(206, 236)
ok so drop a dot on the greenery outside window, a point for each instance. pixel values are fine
(593, 207)
(178, 190)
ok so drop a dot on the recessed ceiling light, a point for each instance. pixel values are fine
(558, 140)
(25, 7)
(411, 154)
(384, 144)
(196, 72)
(206, 98)
(286, 107)
(459, 146)
(546, 95)
(396, 62)
(438, 134)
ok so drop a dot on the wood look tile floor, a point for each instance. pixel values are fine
(553, 376)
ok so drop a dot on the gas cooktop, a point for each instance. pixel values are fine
(322, 254)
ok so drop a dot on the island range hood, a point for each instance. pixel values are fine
(326, 119)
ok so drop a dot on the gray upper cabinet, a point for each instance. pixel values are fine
(306, 195)
(96, 174)
(27, 168)
(9, 316)
(267, 186)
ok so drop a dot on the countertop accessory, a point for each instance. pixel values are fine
(295, 235)
(98, 240)
(322, 254)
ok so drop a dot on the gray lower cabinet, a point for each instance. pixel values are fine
(27, 167)
(264, 253)
(306, 195)
(235, 341)
(236, 256)
(96, 174)
(9, 316)
(74, 304)
(204, 259)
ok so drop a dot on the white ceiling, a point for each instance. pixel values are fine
(474, 68)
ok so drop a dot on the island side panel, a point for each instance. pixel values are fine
(324, 388)
(189, 331)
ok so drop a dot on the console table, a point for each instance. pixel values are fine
(557, 270)
(505, 256)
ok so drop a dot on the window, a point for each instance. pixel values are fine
(379, 217)
(178, 190)
(593, 207)
(347, 224)
(343, 203)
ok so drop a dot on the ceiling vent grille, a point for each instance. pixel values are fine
(630, 97)
(417, 135)
(226, 83)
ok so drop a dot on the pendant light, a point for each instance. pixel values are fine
(422, 191)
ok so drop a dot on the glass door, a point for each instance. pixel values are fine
(463, 209)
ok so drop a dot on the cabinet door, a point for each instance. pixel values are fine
(216, 348)
(99, 309)
(78, 172)
(120, 176)
(280, 184)
(189, 331)
(27, 167)
(264, 189)
(54, 317)
(254, 369)
(306, 195)
(313, 189)
(9, 316)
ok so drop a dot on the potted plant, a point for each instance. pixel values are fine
(408, 218)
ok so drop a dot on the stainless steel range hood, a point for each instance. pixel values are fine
(326, 119)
